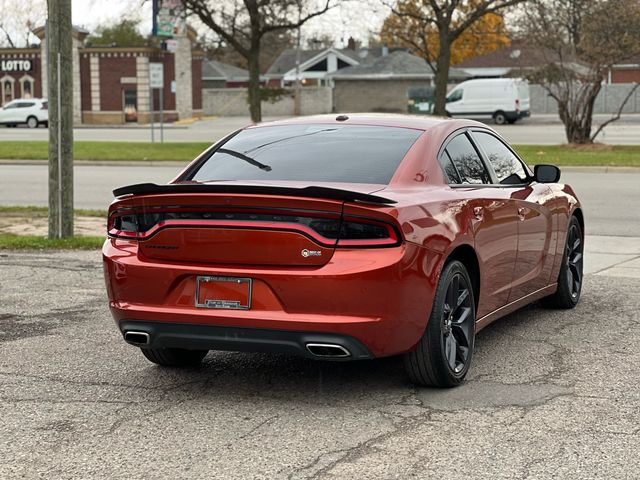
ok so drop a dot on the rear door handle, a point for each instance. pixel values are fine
(478, 212)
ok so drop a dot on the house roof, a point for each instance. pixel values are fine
(214, 70)
(394, 65)
(287, 59)
(517, 55)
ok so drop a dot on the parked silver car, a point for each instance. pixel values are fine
(30, 111)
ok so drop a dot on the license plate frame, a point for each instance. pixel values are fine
(222, 303)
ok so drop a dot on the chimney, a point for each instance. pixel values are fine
(385, 50)
(351, 44)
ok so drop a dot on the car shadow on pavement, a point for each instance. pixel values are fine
(501, 349)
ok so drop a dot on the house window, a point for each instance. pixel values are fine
(26, 86)
(7, 89)
(130, 106)
(321, 66)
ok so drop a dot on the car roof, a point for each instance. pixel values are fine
(418, 122)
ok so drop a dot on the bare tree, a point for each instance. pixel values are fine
(581, 40)
(243, 24)
(18, 18)
(446, 20)
(273, 44)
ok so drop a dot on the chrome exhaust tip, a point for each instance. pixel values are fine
(327, 350)
(136, 338)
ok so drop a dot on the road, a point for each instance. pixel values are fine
(542, 130)
(610, 199)
(551, 394)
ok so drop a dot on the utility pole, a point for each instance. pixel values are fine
(60, 96)
(296, 95)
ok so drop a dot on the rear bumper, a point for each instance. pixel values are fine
(516, 115)
(380, 298)
(210, 337)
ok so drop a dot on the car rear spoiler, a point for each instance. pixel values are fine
(315, 192)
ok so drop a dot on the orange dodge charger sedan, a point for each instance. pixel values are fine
(342, 238)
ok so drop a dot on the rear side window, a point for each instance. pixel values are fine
(508, 168)
(25, 104)
(315, 153)
(466, 160)
(449, 170)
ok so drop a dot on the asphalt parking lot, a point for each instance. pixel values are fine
(551, 394)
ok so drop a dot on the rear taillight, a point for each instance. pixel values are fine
(517, 104)
(366, 233)
(325, 228)
(45, 106)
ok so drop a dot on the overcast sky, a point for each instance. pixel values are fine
(357, 19)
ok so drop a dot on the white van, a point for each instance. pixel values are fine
(503, 99)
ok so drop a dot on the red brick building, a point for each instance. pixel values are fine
(20, 73)
(111, 84)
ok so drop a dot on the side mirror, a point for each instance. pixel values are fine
(546, 173)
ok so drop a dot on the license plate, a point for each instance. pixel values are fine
(230, 293)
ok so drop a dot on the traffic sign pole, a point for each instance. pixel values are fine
(156, 81)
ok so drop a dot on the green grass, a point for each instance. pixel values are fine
(39, 212)
(561, 155)
(34, 242)
(125, 151)
(595, 155)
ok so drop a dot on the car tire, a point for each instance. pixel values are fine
(174, 357)
(499, 118)
(571, 272)
(443, 355)
(32, 122)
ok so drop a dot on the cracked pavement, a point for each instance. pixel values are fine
(551, 394)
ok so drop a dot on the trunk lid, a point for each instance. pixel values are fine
(285, 226)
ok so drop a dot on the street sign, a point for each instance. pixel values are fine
(172, 45)
(169, 19)
(156, 75)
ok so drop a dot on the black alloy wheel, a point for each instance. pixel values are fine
(457, 324)
(571, 275)
(573, 259)
(443, 355)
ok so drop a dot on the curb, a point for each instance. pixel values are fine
(105, 163)
(175, 163)
(599, 169)
(156, 126)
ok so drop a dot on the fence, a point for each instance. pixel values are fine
(608, 101)
(233, 102)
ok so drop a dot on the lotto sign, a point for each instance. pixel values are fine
(16, 65)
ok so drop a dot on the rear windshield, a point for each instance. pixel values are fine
(320, 153)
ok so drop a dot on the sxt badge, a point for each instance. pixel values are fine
(310, 253)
